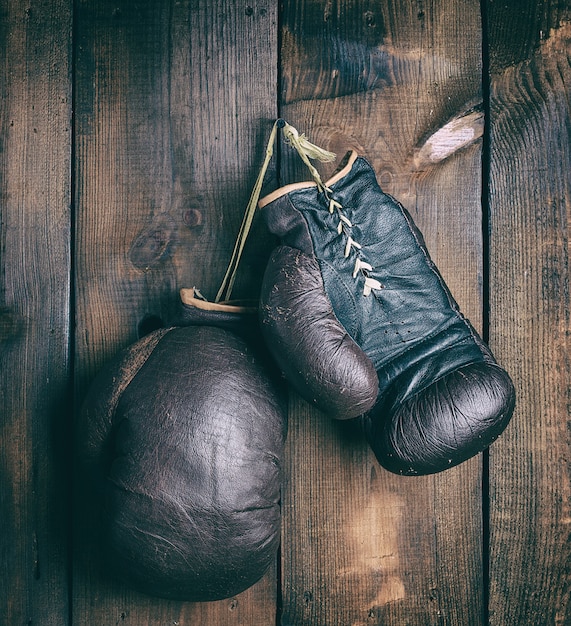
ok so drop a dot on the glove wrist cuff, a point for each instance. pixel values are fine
(239, 316)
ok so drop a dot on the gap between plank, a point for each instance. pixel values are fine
(486, 225)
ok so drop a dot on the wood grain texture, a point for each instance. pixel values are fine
(173, 104)
(401, 83)
(530, 208)
(35, 197)
(172, 101)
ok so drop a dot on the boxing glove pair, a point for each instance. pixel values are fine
(183, 432)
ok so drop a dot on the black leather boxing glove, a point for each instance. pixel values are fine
(183, 433)
(361, 322)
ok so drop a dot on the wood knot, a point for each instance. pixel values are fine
(192, 218)
(153, 244)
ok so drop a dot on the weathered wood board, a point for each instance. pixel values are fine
(172, 102)
(530, 210)
(362, 546)
(35, 219)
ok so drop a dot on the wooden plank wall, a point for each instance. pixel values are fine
(465, 113)
(35, 323)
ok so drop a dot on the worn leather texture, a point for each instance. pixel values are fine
(316, 353)
(183, 433)
(409, 327)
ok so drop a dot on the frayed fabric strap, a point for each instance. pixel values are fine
(306, 151)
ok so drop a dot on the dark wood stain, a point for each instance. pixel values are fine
(530, 209)
(109, 208)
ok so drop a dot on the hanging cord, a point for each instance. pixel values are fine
(306, 151)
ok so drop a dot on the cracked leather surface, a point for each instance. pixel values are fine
(183, 435)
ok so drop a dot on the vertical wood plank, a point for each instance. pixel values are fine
(362, 546)
(530, 210)
(35, 195)
(173, 103)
